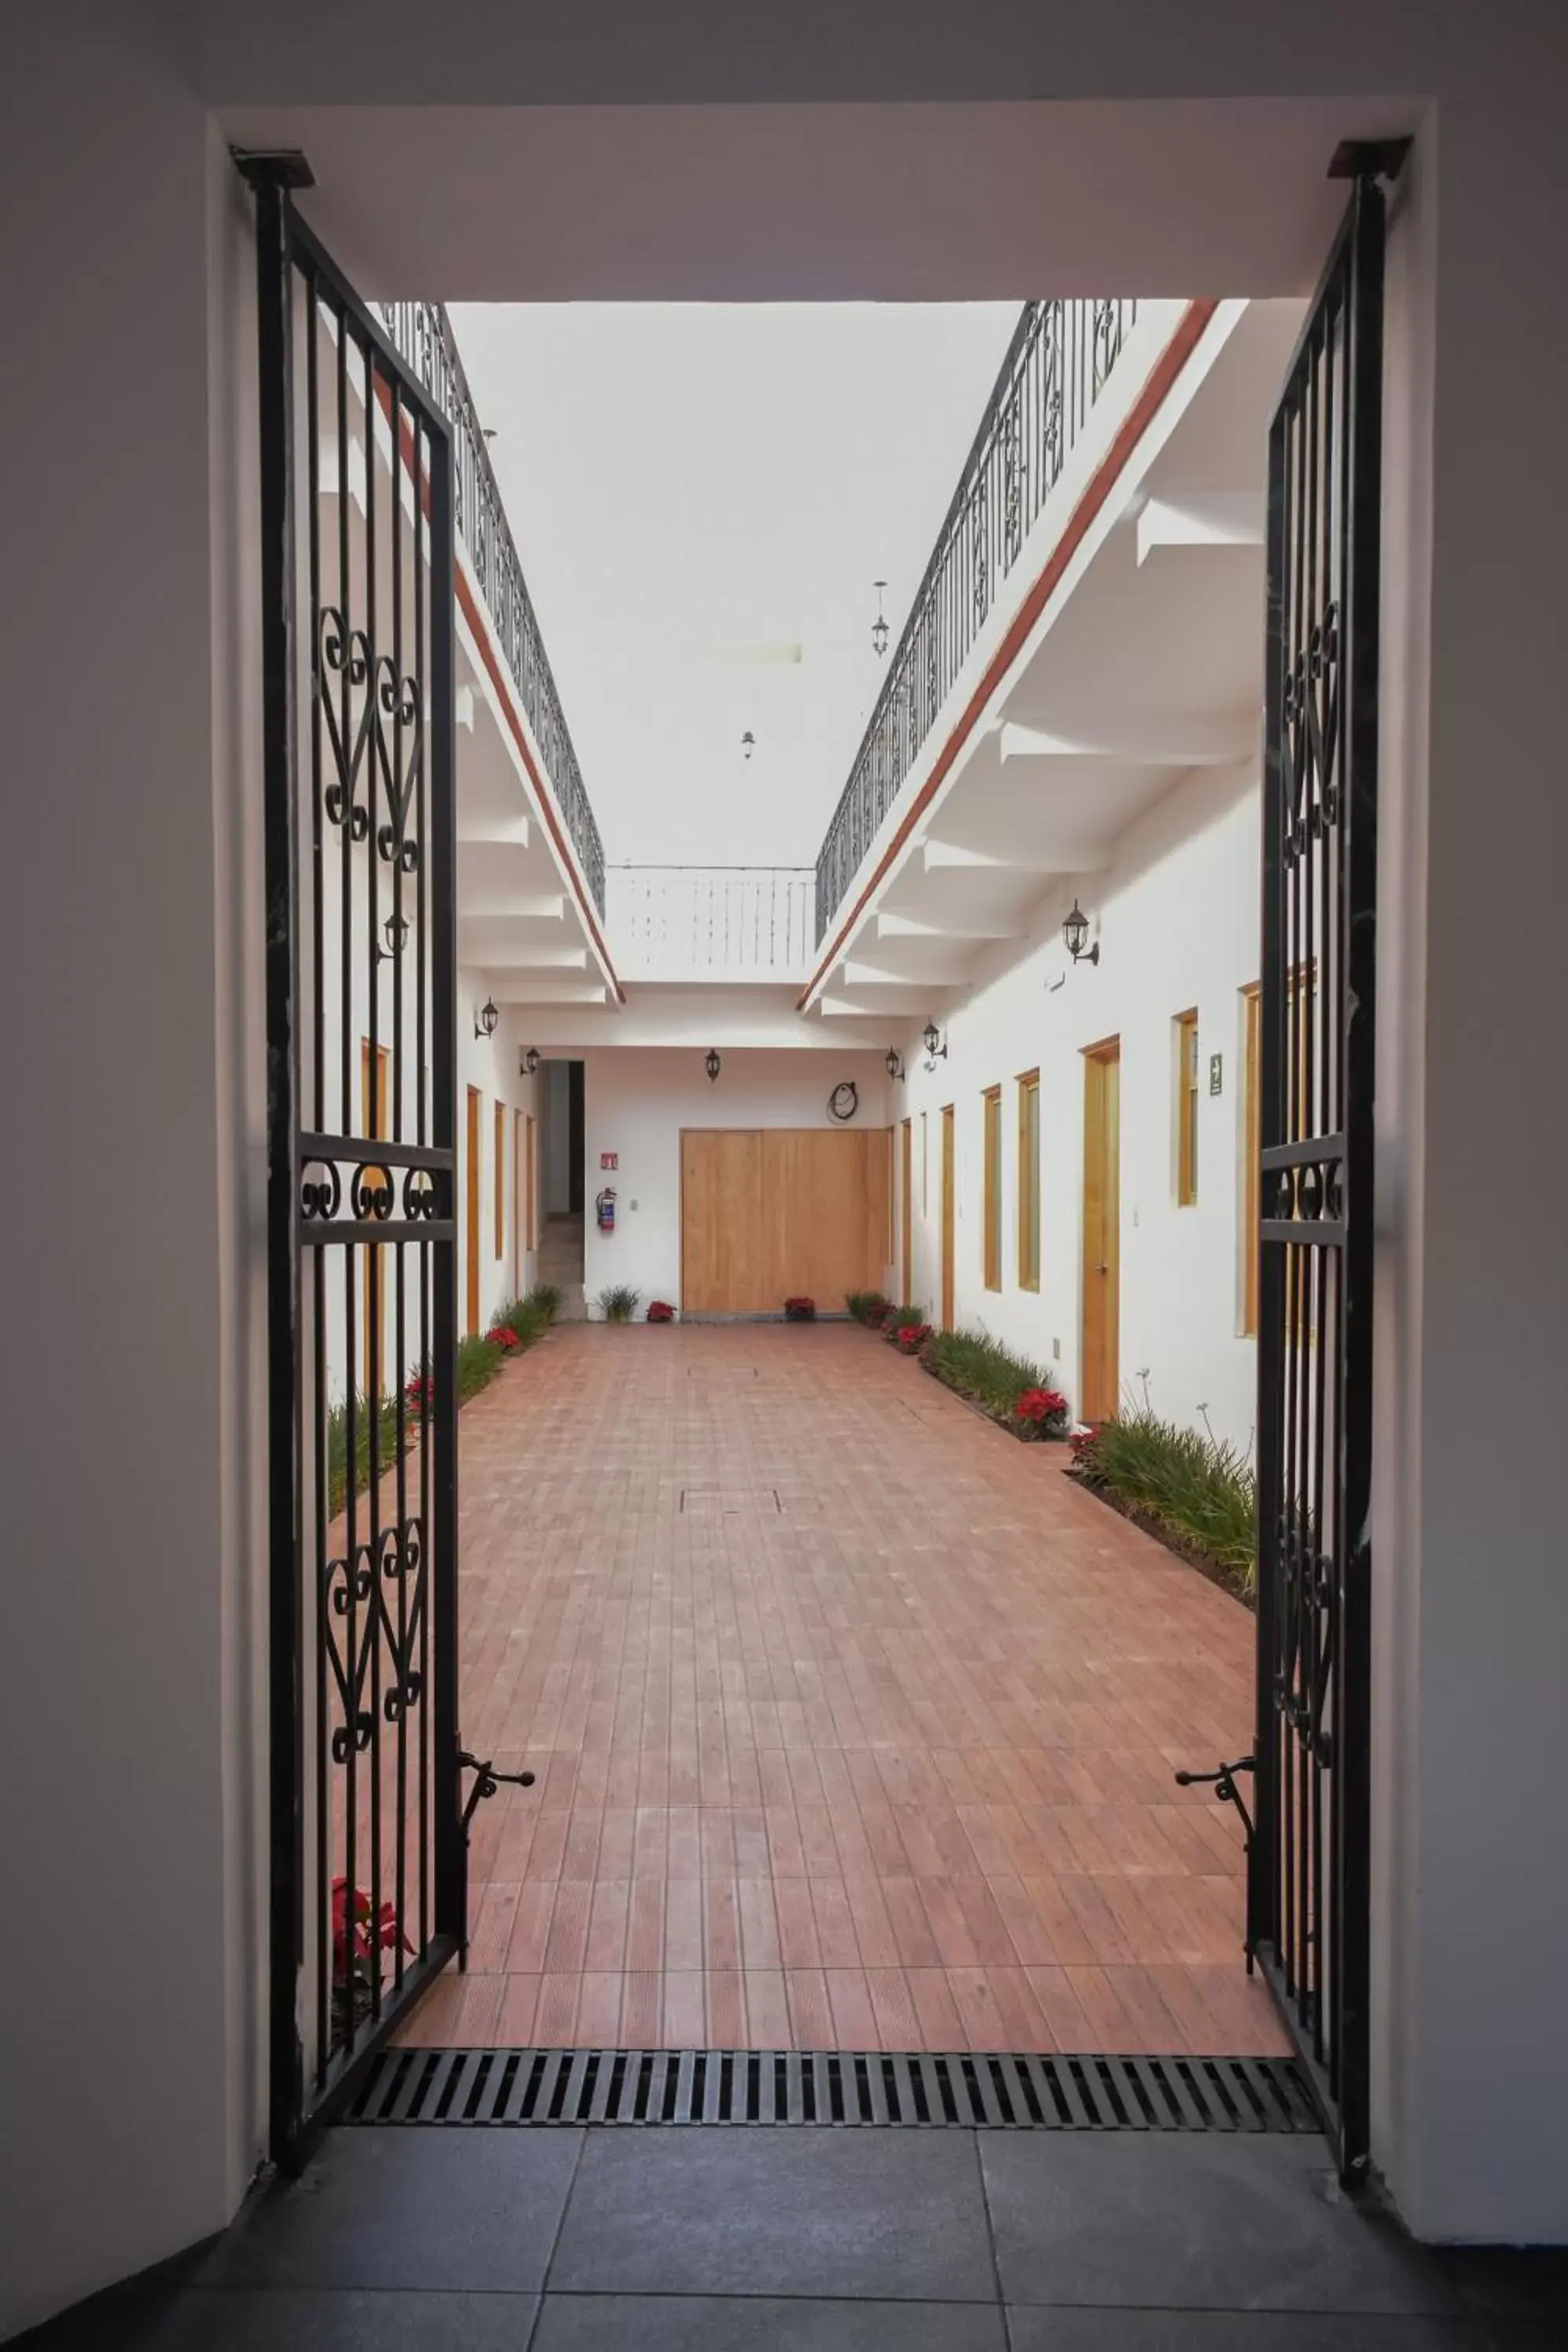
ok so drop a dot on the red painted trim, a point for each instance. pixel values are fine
(477, 623)
(1098, 488)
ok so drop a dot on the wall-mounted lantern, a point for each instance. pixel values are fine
(394, 932)
(486, 1019)
(712, 1063)
(1075, 936)
(529, 1063)
(894, 1062)
(936, 1045)
(748, 744)
(880, 625)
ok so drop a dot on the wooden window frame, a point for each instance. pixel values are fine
(991, 1218)
(1028, 1084)
(1185, 1029)
(500, 1181)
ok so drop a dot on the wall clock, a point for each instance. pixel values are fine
(844, 1101)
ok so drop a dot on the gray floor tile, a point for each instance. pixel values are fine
(1036, 2328)
(1187, 2223)
(678, 2323)
(345, 2319)
(810, 2213)
(459, 2210)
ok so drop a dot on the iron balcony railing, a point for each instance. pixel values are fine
(423, 335)
(710, 921)
(1056, 367)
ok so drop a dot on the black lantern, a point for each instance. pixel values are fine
(394, 932)
(712, 1065)
(748, 743)
(1075, 935)
(529, 1063)
(895, 1066)
(880, 625)
(488, 1018)
(936, 1045)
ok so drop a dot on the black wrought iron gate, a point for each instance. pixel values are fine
(1308, 1899)
(368, 1877)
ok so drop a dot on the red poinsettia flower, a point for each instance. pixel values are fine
(660, 1311)
(503, 1336)
(910, 1337)
(357, 1933)
(421, 1392)
(1039, 1404)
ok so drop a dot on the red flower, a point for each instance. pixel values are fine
(910, 1337)
(504, 1336)
(421, 1392)
(366, 1937)
(660, 1311)
(1039, 1404)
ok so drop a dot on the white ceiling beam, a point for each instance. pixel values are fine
(975, 928)
(518, 955)
(951, 856)
(475, 828)
(1140, 741)
(516, 987)
(1201, 519)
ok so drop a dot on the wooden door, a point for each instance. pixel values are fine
(373, 1113)
(521, 1234)
(947, 1217)
(770, 1213)
(1100, 1372)
(907, 1199)
(471, 1235)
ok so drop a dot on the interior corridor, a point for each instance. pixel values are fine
(854, 1720)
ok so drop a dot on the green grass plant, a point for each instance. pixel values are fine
(863, 1304)
(620, 1303)
(981, 1369)
(1195, 1488)
(338, 1445)
(545, 1299)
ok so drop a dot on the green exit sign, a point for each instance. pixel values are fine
(1217, 1073)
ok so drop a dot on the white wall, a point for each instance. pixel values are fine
(491, 1064)
(1177, 915)
(638, 1099)
(128, 1065)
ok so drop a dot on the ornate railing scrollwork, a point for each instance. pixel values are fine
(393, 1191)
(422, 334)
(1060, 357)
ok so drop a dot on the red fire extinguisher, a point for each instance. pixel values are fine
(605, 1208)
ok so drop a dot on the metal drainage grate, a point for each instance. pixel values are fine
(927, 2090)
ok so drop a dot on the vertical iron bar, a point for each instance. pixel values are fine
(275, 338)
(451, 1872)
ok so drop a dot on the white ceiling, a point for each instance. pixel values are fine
(702, 497)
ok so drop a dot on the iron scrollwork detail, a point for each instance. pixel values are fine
(373, 713)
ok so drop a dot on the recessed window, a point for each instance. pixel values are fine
(1186, 1043)
(991, 1112)
(1029, 1181)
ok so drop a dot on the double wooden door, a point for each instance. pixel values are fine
(770, 1213)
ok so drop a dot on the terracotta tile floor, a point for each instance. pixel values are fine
(854, 1720)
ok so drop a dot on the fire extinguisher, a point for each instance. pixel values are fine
(604, 1207)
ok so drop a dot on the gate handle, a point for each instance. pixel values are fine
(1224, 1788)
(487, 1780)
